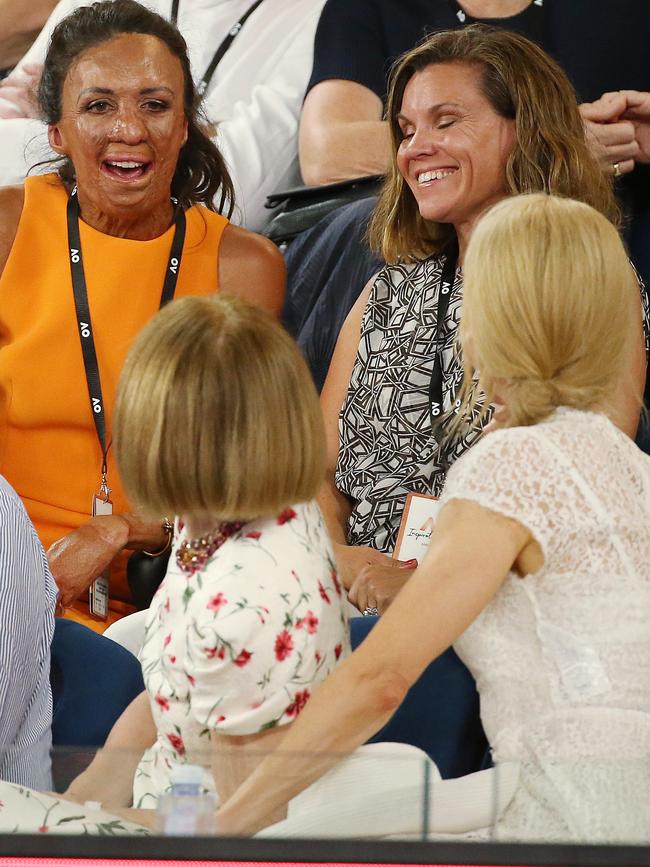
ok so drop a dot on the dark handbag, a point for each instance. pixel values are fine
(302, 207)
(144, 575)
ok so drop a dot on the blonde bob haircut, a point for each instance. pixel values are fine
(522, 83)
(550, 308)
(217, 417)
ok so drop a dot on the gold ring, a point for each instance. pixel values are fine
(617, 170)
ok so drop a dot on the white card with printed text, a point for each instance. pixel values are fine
(416, 528)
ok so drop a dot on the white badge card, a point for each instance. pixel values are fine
(416, 528)
(98, 592)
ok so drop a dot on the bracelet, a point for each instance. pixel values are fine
(168, 527)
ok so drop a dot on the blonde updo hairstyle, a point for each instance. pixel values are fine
(217, 417)
(550, 308)
(522, 83)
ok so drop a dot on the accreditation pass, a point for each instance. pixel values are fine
(98, 593)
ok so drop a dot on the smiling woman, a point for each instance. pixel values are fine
(475, 116)
(126, 223)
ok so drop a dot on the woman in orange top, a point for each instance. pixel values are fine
(84, 256)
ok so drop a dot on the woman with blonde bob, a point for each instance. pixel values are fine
(217, 422)
(475, 115)
(538, 569)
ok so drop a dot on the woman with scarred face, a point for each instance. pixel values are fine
(88, 254)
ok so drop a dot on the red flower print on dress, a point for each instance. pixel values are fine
(243, 658)
(167, 640)
(253, 534)
(220, 719)
(191, 680)
(43, 829)
(337, 650)
(161, 701)
(310, 621)
(177, 743)
(286, 515)
(323, 593)
(283, 645)
(217, 602)
(336, 582)
(300, 699)
(172, 659)
(318, 657)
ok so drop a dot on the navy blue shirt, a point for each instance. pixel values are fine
(602, 45)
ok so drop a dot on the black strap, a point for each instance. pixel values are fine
(445, 285)
(232, 34)
(80, 292)
(536, 13)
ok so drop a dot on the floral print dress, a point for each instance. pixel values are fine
(238, 646)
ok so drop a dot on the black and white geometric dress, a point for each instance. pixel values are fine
(388, 447)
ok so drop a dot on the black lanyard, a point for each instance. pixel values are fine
(445, 285)
(84, 323)
(202, 86)
(536, 13)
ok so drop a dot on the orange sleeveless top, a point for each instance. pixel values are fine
(49, 449)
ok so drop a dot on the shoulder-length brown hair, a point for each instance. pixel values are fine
(217, 416)
(523, 83)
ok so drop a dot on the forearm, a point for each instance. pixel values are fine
(143, 533)
(138, 817)
(360, 697)
(339, 150)
(336, 509)
(109, 777)
(21, 24)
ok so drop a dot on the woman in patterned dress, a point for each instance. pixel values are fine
(218, 422)
(475, 115)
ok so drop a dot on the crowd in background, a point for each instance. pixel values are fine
(477, 323)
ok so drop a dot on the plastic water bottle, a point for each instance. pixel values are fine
(185, 810)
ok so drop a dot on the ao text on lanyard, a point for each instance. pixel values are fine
(84, 322)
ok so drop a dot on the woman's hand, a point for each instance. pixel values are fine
(637, 111)
(376, 586)
(352, 560)
(612, 138)
(81, 556)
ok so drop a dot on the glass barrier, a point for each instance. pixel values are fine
(382, 793)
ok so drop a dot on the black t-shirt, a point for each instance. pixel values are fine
(602, 45)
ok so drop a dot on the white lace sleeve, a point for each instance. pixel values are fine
(512, 472)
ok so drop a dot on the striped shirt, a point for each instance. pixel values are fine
(27, 600)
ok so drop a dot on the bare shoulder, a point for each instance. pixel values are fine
(252, 267)
(11, 207)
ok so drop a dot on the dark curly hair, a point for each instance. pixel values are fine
(201, 174)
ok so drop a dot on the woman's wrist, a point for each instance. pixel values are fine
(145, 534)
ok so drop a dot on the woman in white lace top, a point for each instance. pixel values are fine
(539, 566)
